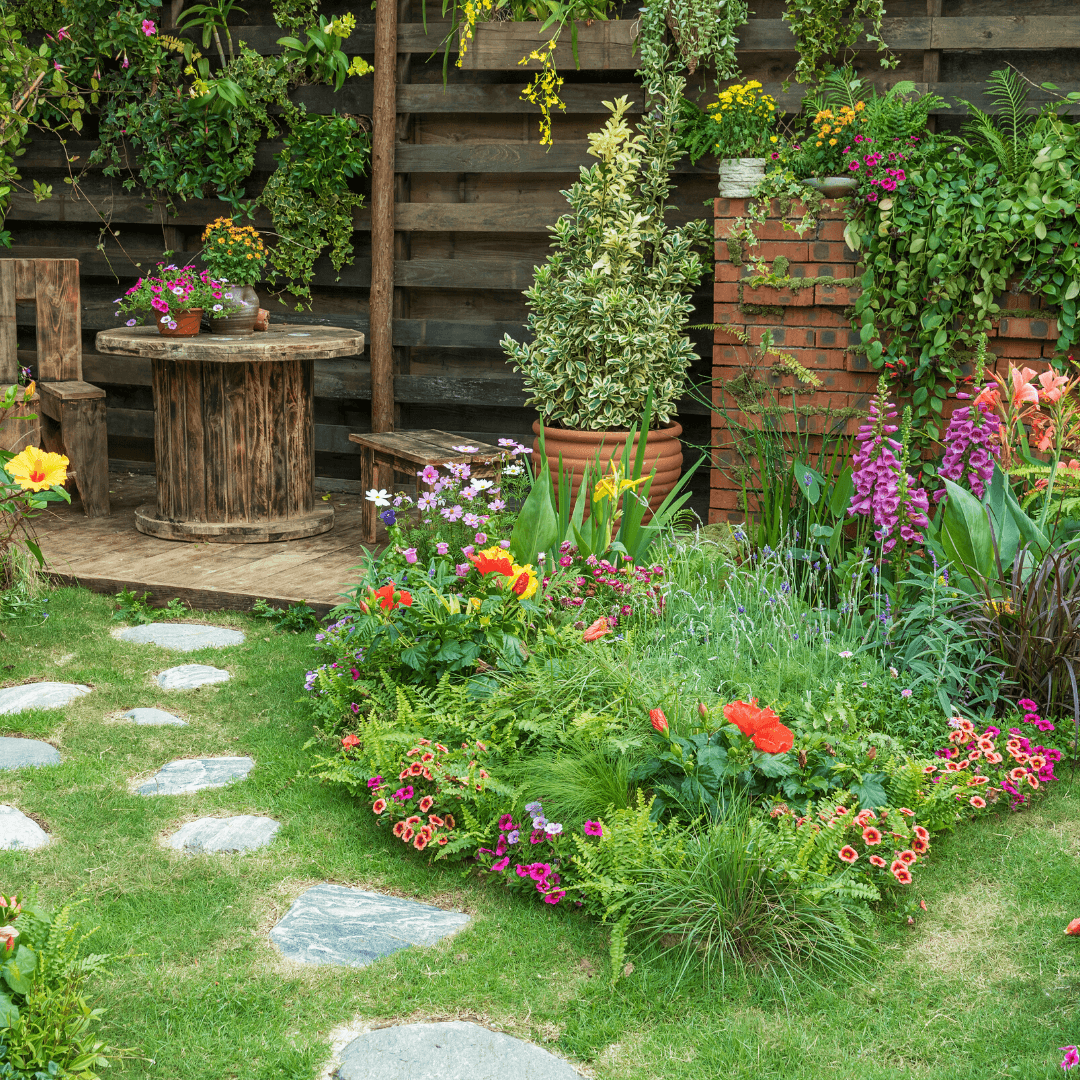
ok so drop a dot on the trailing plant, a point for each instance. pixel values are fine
(322, 55)
(705, 33)
(826, 30)
(309, 197)
(610, 307)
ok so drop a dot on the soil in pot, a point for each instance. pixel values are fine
(186, 324)
(663, 451)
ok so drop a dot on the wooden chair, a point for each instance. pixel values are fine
(383, 454)
(72, 412)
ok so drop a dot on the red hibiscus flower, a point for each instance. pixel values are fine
(349, 742)
(390, 597)
(488, 565)
(658, 720)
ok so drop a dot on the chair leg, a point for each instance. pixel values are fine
(83, 431)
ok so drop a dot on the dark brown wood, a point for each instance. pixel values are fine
(507, 157)
(283, 339)
(603, 45)
(579, 98)
(380, 309)
(59, 330)
(932, 59)
(9, 362)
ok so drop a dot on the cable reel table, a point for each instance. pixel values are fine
(234, 433)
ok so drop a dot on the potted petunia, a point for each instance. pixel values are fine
(235, 257)
(610, 307)
(175, 298)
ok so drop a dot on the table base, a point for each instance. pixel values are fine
(149, 521)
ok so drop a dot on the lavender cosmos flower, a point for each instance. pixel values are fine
(883, 491)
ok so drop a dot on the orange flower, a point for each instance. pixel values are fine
(901, 873)
(907, 857)
(425, 804)
(921, 832)
(399, 828)
(658, 720)
(487, 562)
(349, 742)
(378, 806)
(848, 854)
(871, 835)
(877, 860)
(977, 801)
(761, 725)
(597, 630)
(1073, 929)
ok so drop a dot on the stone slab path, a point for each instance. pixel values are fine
(17, 831)
(39, 695)
(21, 753)
(183, 637)
(195, 774)
(190, 677)
(244, 833)
(153, 717)
(331, 924)
(452, 1050)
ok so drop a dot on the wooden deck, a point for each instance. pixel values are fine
(108, 554)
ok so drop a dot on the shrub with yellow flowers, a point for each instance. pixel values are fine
(828, 143)
(233, 253)
(740, 123)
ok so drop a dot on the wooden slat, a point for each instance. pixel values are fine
(579, 98)
(25, 279)
(9, 363)
(1005, 32)
(59, 328)
(508, 157)
(603, 45)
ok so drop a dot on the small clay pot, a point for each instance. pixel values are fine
(239, 323)
(663, 451)
(187, 323)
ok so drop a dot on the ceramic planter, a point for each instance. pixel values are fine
(663, 451)
(187, 323)
(833, 187)
(239, 323)
(740, 176)
(21, 426)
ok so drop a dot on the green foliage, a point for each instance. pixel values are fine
(610, 307)
(1005, 136)
(828, 29)
(308, 194)
(706, 34)
(137, 610)
(322, 54)
(294, 619)
(740, 123)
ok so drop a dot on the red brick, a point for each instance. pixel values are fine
(726, 292)
(783, 297)
(831, 252)
(722, 227)
(831, 210)
(831, 230)
(818, 360)
(732, 208)
(783, 337)
(793, 250)
(795, 209)
(728, 272)
(1050, 349)
(837, 295)
(860, 362)
(1017, 349)
(723, 337)
(772, 229)
(728, 313)
(816, 270)
(1011, 301)
(1027, 328)
(824, 317)
(725, 354)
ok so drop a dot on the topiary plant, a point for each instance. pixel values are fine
(609, 308)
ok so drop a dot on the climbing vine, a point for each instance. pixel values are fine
(827, 30)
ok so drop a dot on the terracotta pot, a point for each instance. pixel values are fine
(663, 451)
(187, 323)
(21, 426)
(242, 322)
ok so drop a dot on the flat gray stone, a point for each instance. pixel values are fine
(244, 833)
(183, 637)
(17, 831)
(330, 924)
(190, 677)
(153, 717)
(452, 1050)
(39, 695)
(194, 774)
(21, 753)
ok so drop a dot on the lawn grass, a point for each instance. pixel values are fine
(984, 985)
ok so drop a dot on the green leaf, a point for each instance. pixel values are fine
(965, 533)
(870, 792)
(9, 1013)
(19, 968)
(537, 526)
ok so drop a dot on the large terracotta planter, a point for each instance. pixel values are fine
(17, 429)
(663, 451)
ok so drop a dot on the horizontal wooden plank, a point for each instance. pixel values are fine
(508, 157)
(579, 98)
(602, 45)
(1005, 32)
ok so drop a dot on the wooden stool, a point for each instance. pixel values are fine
(73, 423)
(383, 454)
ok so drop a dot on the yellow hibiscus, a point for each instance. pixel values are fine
(35, 470)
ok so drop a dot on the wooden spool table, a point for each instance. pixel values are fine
(234, 434)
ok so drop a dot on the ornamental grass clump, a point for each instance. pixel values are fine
(610, 307)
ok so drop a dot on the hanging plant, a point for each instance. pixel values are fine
(825, 29)
(705, 33)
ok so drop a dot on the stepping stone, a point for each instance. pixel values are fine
(21, 753)
(190, 677)
(244, 833)
(153, 717)
(194, 774)
(452, 1050)
(39, 695)
(183, 637)
(17, 831)
(330, 924)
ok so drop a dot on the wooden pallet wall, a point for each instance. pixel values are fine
(475, 197)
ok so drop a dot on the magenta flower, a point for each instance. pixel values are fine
(441, 549)
(374, 782)
(410, 555)
(506, 822)
(594, 828)
(500, 866)
(556, 895)
(1072, 1057)
(969, 453)
(148, 27)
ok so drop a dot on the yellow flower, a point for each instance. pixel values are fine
(772, 138)
(832, 142)
(35, 470)
(523, 590)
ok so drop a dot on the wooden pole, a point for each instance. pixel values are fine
(384, 122)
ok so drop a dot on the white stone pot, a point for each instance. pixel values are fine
(740, 176)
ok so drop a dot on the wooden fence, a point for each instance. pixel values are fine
(475, 195)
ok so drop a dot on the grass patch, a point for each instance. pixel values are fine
(984, 985)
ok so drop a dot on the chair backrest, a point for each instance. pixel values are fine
(53, 284)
